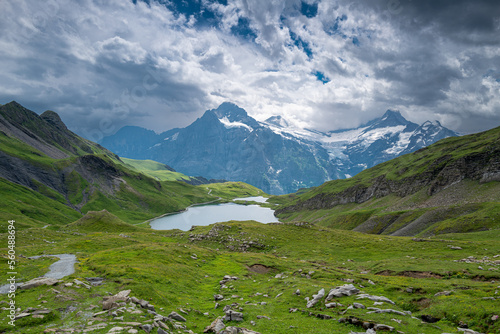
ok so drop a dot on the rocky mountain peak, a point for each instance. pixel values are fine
(389, 119)
(230, 112)
(53, 118)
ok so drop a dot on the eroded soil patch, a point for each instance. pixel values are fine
(260, 268)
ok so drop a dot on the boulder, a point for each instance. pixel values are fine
(358, 305)
(38, 282)
(382, 327)
(316, 298)
(233, 316)
(341, 291)
(215, 327)
(176, 316)
(147, 328)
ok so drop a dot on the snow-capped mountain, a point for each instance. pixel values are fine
(274, 155)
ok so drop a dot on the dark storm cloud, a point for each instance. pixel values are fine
(475, 22)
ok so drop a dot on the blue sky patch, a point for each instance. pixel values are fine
(321, 77)
(308, 10)
(301, 44)
(243, 29)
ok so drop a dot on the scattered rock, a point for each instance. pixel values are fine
(322, 316)
(468, 331)
(331, 305)
(443, 293)
(238, 330)
(376, 298)
(316, 298)
(176, 316)
(377, 310)
(358, 305)
(381, 327)
(227, 278)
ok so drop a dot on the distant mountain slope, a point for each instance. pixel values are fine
(49, 175)
(450, 186)
(226, 143)
(162, 172)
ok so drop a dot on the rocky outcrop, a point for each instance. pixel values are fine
(441, 173)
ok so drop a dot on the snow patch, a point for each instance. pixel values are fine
(400, 145)
(228, 124)
(174, 137)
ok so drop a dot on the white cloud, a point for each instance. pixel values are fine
(85, 60)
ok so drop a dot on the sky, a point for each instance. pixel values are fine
(325, 65)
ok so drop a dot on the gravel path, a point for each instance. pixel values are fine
(62, 268)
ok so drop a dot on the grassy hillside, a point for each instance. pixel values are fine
(174, 270)
(155, 169)
(451, 186)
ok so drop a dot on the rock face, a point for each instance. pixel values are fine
(226, 143)
(48, 134)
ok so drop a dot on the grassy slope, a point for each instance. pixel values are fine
(230, 190)
(155, 169)
(157, 266)
(463, 207)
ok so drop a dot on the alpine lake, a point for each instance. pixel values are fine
(204, 215)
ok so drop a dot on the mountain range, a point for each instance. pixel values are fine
(274, 155)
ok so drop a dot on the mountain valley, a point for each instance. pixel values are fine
(409, 245)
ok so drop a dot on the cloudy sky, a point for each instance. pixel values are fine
(103, 64)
